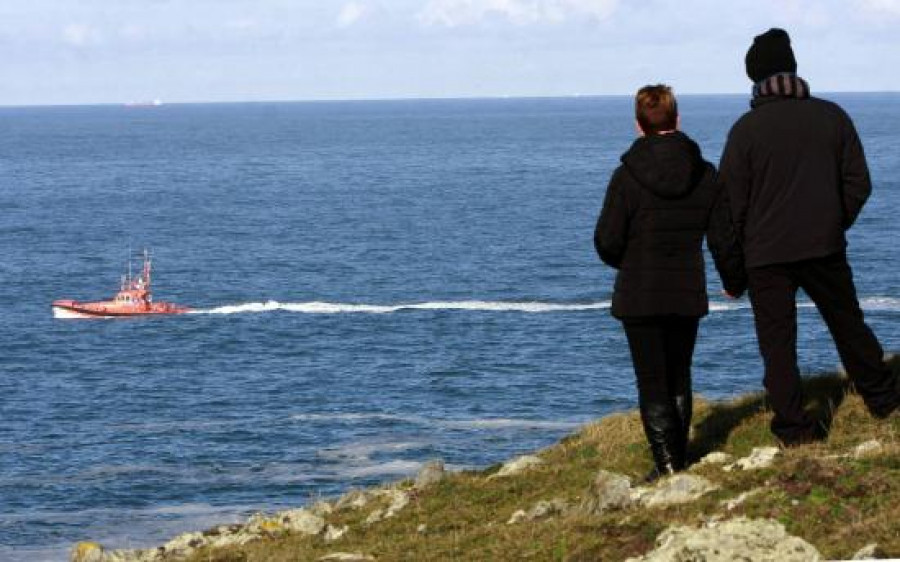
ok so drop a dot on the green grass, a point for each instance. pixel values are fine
(838, 504)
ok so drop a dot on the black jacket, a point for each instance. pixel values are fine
(659, 205)
(797, 178)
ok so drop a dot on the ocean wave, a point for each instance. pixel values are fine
(317, 307)
(476, 423)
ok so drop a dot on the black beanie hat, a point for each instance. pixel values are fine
(770, 54)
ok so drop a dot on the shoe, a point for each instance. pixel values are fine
(815, 434)
(658, 473)
(885, 413)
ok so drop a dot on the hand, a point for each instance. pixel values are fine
(729, 296)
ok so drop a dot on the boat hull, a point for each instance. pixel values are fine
(72, 309)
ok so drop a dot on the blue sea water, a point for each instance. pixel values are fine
(377, 284)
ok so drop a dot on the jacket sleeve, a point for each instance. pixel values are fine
(734, 174)
(611, 232)
(855, 182)
(724, 245)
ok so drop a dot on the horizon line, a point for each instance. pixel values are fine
(148, 105)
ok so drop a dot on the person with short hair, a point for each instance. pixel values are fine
(796, 176)
(660, 203)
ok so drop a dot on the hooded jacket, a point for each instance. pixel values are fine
(660, 203)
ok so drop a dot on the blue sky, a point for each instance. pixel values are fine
(111, 51)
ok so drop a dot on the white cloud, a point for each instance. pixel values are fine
(889, 8)
(455, 13)
(80, 35)
(351, 13)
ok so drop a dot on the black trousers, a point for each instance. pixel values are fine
(828, 282)
(662, 349)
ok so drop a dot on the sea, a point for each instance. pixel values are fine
(374, 284)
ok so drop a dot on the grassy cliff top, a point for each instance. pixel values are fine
(837, 500)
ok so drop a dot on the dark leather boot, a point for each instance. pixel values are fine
(662, 427)
(684, 406)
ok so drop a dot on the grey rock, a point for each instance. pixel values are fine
(333, 533)
(760, 540)
(518, 465)
(346, 557)
(608, 491)
(716, 457)
(517, 517)
(540, 510)
(868, 449)
(868, 552)
(760, 457)
(681, 488)
(430, 474)
(301, 521)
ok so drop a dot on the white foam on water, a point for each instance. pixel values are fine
(389, 468)
(363, 451)
(316, 307)
(476, 423)
(890, 304)
(877, 303)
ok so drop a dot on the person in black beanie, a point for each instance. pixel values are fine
(796, 177)
(659, 205)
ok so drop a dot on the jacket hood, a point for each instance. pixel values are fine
(668, 165)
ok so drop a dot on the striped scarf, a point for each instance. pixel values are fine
(785, 85)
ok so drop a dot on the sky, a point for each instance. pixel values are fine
(119, 51)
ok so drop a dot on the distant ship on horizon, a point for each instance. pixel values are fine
(147, 103)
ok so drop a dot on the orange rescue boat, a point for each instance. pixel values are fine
(133, 299)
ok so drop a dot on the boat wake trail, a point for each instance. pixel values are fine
(879, 304)
(346, 308)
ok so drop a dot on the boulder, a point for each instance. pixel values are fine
(868, 449)
(608, 491)
(518, 465)
(760, 457)
(680, 488)
(760, 540)
(431, 473)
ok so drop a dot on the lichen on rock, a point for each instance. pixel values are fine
(760, 540)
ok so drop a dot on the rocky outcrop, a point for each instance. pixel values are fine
(760, 540)
(608, 491)
(681, 488)
(299, 521)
